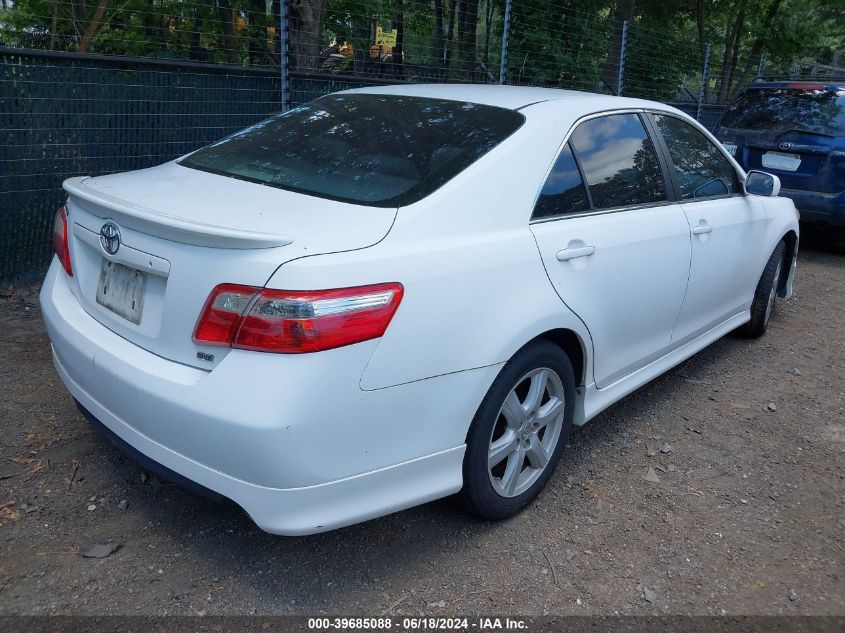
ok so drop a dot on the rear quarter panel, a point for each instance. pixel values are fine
(475, 287)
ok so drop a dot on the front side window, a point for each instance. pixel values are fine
(701, 168)
(563, 191)
(619, 161)
(372, 149)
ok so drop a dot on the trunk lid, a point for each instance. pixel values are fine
(182, 232)
(802, 159)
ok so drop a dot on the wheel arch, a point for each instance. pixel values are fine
(573, 346)
(790, 238)
(578, 348)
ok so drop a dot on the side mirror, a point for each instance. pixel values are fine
(762, 184)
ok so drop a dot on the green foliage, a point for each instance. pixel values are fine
(559, 46)
(561, 43)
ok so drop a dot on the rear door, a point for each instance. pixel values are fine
(616, 250)
(726, 228)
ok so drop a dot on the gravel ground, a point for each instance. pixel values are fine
(746, 439)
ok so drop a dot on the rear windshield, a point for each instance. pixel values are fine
(378, 150)
(811, 109)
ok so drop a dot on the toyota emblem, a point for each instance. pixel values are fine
(785, 145)
(110, 238)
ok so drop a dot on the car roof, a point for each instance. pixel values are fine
(512, 97)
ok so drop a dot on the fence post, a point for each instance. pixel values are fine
(761, 67)
(702, 90)
(506, 33)
(284, 85)
(623, 49)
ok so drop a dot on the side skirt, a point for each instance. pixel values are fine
(597, 400)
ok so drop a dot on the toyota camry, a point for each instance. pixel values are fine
(395, 294)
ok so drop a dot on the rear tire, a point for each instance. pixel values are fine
(764, 296)
(519, 431)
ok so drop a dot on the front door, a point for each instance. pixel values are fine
(726, 229)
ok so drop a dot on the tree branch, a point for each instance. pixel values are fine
(93, 26)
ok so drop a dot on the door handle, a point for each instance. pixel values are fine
(702, 228)
(571, 253)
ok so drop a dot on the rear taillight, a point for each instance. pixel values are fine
(60, 240)
(294, 322)
(221, 315)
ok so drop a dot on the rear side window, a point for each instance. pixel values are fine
(371, 149)
(810, 108)
(563, 191)
(619, 161)
(702, 170)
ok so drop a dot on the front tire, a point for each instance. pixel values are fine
(519, 431)
(764, 296)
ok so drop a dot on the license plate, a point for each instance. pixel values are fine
(731, 147)
(779, 160)
(121, 290)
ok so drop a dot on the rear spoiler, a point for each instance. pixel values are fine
(168, 226)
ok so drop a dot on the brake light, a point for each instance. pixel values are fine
(295, 322)
(221, 314)
(60, 241)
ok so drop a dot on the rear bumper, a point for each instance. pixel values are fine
(292, 511)
(151, 466)
(818, 207)
(300, 448)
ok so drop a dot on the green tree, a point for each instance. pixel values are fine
(564, 43)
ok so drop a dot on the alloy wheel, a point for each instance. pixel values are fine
(526, 432)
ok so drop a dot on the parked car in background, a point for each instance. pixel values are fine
(795, 130)
(394, 294)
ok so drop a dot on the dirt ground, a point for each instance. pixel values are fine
(747, 518)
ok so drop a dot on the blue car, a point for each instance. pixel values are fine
(795, 130)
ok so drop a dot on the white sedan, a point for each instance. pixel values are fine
(391, 295)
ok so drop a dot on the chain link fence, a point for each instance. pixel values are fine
(90, 92)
